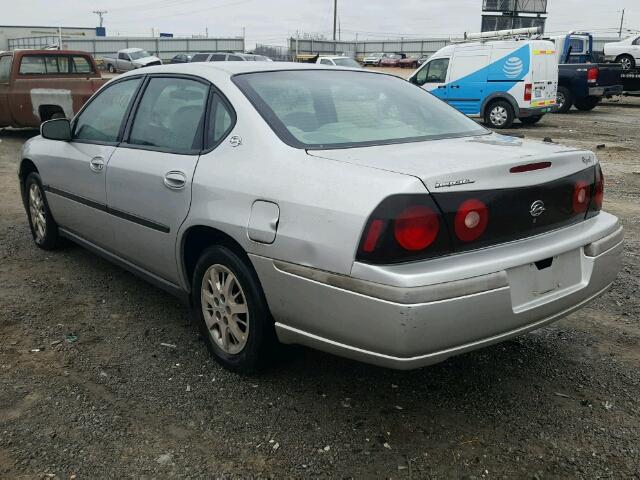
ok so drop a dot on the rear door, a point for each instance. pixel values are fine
(468, 79)
(149, 175)
(433, 77)
(74, 172)
(544, 74)
(5, 79)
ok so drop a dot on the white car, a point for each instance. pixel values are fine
(339, 61)
(625, 52)
(373, 59)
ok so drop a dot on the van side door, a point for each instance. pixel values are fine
(433, 77)
(468, 80)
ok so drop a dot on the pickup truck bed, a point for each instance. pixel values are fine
(38, 85)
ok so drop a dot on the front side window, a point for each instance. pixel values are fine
(170, 114)
(5, 68)
(123, 56)
(139, 54)
(334, 108)
(103, 117)
(324, 61)
(434, 72)
(200, 57)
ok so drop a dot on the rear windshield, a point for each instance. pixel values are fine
(52, 64)
(320, 109)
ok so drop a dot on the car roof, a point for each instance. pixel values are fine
(212, 69)
(132, 49)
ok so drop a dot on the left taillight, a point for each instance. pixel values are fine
(528, 91)
(592, 75)
(404, 228)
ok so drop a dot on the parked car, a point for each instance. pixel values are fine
(582, 82)
(625, 52)
(38, 85)
(368, 219)
(392, 60)
(423, 59)
(498, 81)
(130, 59)
(181, 58)
(409, 62)
(339, 61)
(229, 57)
(373, 59)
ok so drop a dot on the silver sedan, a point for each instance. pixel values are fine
(341, 209)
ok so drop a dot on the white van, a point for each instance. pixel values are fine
(497, 81)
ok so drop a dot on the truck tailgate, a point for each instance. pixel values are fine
(609, 74)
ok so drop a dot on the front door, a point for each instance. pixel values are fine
(5, 77)
(74, 174)
(433, 77)
(149, 175)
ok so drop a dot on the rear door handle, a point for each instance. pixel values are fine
(175, 179)
(97, 164)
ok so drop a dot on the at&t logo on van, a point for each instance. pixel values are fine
(513, 67)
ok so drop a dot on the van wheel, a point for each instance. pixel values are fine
(563, 100)
(231, 311)
(499, 114)
(627, 62)
(44, 228)
(531, 120)
(588, 103)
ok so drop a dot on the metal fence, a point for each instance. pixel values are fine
(415, 48)
(274, 52)
(165, 48)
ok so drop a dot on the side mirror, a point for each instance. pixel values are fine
(56, 129)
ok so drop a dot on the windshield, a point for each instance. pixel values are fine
(139, 54)
(346, 62)
(320, 109)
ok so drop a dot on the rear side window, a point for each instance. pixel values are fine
(32, 65)
(234, 58)
(5, 68)
(220, 122)
(102, 119)
(82, 65)
(123, 56)
(200, 57)
(170, 115)
(218, 57)
(637, 41)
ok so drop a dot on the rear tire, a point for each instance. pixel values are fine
(531, 120)
(564, 100)
(499, 114)
(111, 68)
(231, 311)
(627, 62)
(44, 229)
(588, 103)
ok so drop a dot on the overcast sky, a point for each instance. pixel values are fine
(272, 21)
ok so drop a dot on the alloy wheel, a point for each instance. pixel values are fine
(625, 63)
(498, 115)
(225, 309)
(560, 100)
(37, 213)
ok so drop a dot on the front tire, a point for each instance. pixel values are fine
(111, 68)
(499, 115)
(44, 229)
(231, 311)
(627, 62)
(564, 100)
(588, 103)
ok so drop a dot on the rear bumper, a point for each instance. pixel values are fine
(534, 111)
(416, 318)
(608, 91)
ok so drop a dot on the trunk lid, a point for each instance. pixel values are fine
(473, 163)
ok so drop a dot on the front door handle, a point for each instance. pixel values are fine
(455, 86)
(97, 164)
(175, 179)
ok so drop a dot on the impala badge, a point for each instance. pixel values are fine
(537, 208)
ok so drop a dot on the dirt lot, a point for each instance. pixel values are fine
(87, 389)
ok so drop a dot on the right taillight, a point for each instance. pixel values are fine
(471, 220)
(598, 193)
(404, 228)
(592, 75)
(581, 197)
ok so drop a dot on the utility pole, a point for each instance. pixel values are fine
(621, 22)
(335, 18)
(100, 14)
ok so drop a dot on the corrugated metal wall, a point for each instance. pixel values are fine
(359, 49)
(164, 47)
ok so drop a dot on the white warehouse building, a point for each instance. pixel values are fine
(11, 32)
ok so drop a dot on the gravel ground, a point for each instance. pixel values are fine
(88, 389)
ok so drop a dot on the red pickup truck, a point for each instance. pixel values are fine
(38, 85)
